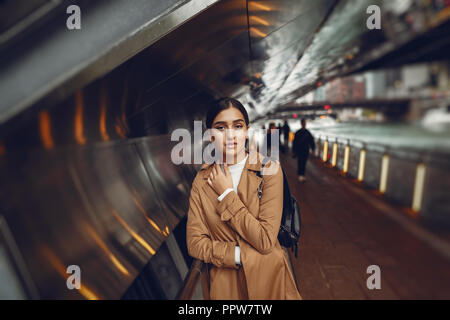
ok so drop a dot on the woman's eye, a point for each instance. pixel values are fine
(220, 128)
(239, 126)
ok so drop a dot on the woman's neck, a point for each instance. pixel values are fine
(236, 159)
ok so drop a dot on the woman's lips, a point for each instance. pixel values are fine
(231, 145)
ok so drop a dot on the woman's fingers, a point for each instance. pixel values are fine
(218, 169)
(227, 170)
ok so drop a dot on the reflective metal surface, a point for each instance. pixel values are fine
(85, 169)
(113, 31)
(94, 207)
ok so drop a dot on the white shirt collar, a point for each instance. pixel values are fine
(239, 164)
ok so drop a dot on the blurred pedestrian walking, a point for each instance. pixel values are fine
(303, 142)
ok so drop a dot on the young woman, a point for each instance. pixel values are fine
(228, 226)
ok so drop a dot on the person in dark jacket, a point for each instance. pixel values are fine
(286, 130)
(303, 142)
(268, 140)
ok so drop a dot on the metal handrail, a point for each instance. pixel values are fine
(191, 280)
(438, 158)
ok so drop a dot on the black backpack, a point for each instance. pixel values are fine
(290, 221)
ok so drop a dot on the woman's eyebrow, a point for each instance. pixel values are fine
(220, 122)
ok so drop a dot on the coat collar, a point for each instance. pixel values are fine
(253, 163)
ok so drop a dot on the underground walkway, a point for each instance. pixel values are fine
(346, 229)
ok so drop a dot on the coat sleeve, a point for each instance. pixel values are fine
(262, 232)
(198, 238)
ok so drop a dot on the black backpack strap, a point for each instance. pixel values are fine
(259, 174)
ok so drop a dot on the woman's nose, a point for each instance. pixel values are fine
(230, 134)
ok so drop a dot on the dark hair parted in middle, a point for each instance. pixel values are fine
(221, 105)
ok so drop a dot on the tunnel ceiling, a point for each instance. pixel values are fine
(265, 53)
(249, 55)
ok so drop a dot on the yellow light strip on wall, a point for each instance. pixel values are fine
(45, 130)
(362, 164)
(384, 173)
(346, 158)
(79, 136)
(325, 151)
(334, 159)
(418, 187)
(103, 131)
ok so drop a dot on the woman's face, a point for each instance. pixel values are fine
(230, 132)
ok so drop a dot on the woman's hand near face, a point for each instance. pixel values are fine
(219, 180)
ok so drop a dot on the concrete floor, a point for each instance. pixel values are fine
(346, 228)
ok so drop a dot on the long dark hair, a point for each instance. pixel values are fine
(222, 104)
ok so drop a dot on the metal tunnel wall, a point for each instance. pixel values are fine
(89, 180)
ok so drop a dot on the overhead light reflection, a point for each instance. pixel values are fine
(123, 107)
(45, 130)
(141, 208)
(79, 136)
(136, 237)
(259, 20)
(105, 249)
(257, 32)
(260, 6)
(103, 132)
(119, 130)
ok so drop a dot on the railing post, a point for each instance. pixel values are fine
(362, 164)
(346, 158)
(334, 158)
(418, 187)
(325, 151)
(384, 173)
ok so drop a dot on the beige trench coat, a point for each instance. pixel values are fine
(214, 229)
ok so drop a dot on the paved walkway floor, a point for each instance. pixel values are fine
(346, 229)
